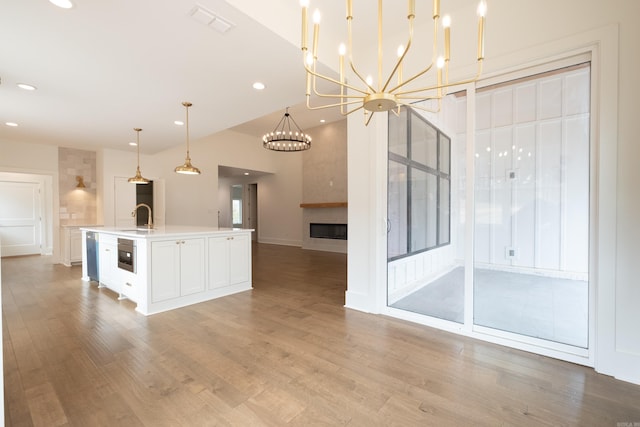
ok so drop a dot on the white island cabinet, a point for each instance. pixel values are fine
(175, 266)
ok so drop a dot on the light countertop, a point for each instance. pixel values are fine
(168, 231)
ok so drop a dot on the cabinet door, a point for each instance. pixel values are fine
(239, 256)
(218, 262)
(129, 285)
(165, 270)
(191, 266)
(108, 265)
(76, 246)
(65, 249)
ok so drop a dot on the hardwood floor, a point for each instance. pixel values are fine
(285, 353)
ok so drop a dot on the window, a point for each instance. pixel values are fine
(419, 185)
(236, 205)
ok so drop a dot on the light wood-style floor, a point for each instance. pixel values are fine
(285, 353)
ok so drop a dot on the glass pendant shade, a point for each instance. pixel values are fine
(138, 179)
(187, 168)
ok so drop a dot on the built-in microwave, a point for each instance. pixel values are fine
(127, 255)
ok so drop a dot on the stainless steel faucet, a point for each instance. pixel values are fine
(135, 211)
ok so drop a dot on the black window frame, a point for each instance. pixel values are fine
(412, 165)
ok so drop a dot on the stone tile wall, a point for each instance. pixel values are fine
(77, 205)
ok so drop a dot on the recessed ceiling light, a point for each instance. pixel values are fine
(133, 144)
(258, 86)
(178, 122)
(246, 173)
(65, 4)
(26, 86)
(12, 124)
(322, 120)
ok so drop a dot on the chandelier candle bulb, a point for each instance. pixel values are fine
(482, 11)
(316, 31)
(305, 7)
(446, 23)
(341, 52)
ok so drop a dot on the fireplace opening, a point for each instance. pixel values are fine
(328, 231)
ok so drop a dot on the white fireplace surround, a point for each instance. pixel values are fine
(325, 215)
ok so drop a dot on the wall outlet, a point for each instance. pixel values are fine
(510, 252)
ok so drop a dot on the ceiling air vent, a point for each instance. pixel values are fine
(210, 19)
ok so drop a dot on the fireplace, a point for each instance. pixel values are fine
(328, 231)
(325, 227)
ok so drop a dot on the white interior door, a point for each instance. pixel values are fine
(125, 201)
(20, 219)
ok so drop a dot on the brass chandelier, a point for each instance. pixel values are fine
(387, 93)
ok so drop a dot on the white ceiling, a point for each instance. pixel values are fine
(103, 68)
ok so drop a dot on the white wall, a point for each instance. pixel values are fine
(518, 34)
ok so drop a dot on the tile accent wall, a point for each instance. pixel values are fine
(324, 180)
(77, 205)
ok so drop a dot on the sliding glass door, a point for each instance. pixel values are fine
(531, 258)
(425, 274)
(491, 232)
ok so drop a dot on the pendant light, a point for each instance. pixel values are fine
(187, 168)
(138, 179)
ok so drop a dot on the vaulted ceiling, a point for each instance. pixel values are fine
(103, 68)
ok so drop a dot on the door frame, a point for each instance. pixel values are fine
(49, 211)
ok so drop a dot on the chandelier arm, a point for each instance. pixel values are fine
(331, 95)
(294, 122)
(278, 125)
(457, 83)
(353, 68)
(339, 104)
(395, 69)
(351, 64)
(368, 118)
(332, 80)
(433, 58)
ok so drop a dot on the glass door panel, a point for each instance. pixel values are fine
(531, 236)
(425, 262)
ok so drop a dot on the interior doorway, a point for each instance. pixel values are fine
(26, 213)
(252, 209)
(238, 201)
(244, 207)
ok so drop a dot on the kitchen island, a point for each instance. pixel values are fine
(169, 267)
